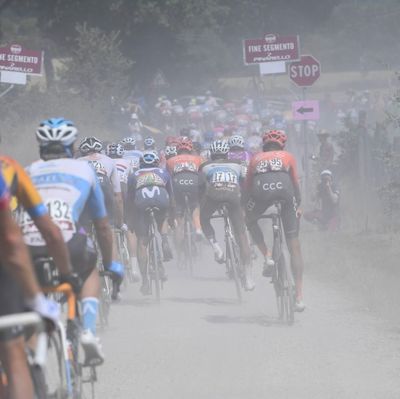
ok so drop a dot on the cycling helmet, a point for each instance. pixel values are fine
(129, 143)
(115, 150)
(56, 130)
(275, 136)
(90, 144)
(170, 151)
(149, 159)
(219, 147)
(236, 141)
(149, 143)
(185, 144)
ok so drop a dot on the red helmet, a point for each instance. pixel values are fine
(185, 144)
(275, 136)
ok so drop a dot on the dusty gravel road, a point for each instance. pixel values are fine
(200, 344)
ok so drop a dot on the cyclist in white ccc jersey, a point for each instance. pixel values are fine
(67, 187)
(90, 148)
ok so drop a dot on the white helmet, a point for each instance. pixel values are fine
(115, 150)
(236, 141)
(129, 143)
(90, 144)
(56, 130)
(170, 151)
(219, 147)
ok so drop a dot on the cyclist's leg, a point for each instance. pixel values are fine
(13, 359)
(207, 207)
(162, 203)
(83, 259)
(132, 244)
(239, 229)
(254, 210)
(291, 227)
(141, 226)
(12, 347)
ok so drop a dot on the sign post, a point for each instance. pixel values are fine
(305, 73)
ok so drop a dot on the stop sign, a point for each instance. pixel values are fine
(306, 71)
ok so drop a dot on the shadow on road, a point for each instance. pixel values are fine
(259, 319)
(139, 302)
(205, 301)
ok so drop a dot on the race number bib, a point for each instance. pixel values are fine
(61, 214)
(224, 177)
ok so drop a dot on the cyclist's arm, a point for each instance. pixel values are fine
(295, 180)
(104, 238)
(14, 254)
(119, 205)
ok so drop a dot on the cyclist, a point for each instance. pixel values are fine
(18, 289)
(272, 177)
(25, 195)
(148, 187)
(90, 148)
(184, 170)
(68, 186)
(130, 152)
(124, 168)
(221, 185)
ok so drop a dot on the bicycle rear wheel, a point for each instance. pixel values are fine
(232, 267)
(154, 266)
(286, 291)
(188, 245)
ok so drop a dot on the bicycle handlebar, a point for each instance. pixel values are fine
(23, 319)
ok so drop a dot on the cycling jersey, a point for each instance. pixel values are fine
(104, 168)
(184, 170)
(134, 157)
(280, 163)
(21, 188)
(4, 194)
(184, 163)
(67, 186)
(124, 169)
(148, 188)
(242, 156)
(223, 179)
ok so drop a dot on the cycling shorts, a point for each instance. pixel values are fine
(82, 254)
(11, 302)
(186, 184)
(269, 188)
(146, 198)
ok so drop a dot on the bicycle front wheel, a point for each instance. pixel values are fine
(286, 292)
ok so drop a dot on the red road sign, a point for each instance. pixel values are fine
(271, 48)
(306, 71)
(15, 58)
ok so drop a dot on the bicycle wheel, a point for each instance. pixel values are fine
(232, 267)
(188, 245)
(57, 373)
(39, 382)
(105, 302)
(286, 297)
(153, 265)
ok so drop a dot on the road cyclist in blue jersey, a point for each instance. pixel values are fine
(68, 186)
